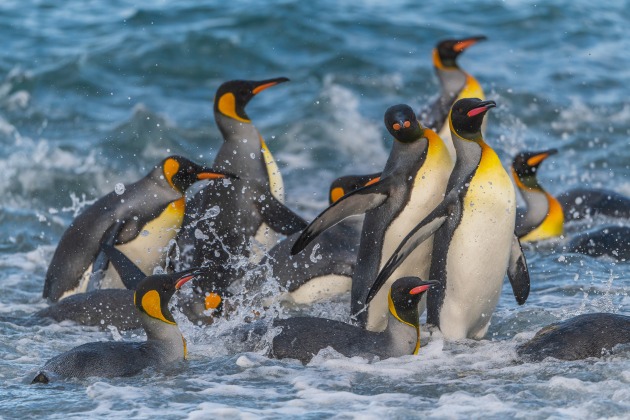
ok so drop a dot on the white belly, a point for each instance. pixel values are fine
(478, 257)
(427, 193)
(321, 288)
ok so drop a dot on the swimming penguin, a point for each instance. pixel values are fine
(165, 344)
(583, 203)
(303, 337)
(140, 221)
(543, 217)
(114, 307)
(455, 84)
(412, 183)
(474, 241)
(587, 335)
(221, 220)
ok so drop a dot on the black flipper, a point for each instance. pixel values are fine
(279, 217)
(129, 272)
(518, 272)
(419, 234)
(101, 262)
(356, 202)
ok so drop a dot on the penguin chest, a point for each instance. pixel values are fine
(427, 192)
(147, 249)
(550, 219)
(478, 255)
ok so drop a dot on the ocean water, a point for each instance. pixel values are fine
(94, 93)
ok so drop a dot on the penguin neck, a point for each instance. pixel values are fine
(468, 153)
(241, 152)
(536, 201)
(403, 338)
(452, 80)
(166, 338)
(404, 156)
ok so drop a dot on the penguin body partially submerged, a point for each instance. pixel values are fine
(303, 337)
(164, 346)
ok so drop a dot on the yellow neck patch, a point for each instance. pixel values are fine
(392, 310)
(185, 348)
(151, 304)
(436, 60)
(552, 226)
(472, 89)
(227, 107)
(171, 166)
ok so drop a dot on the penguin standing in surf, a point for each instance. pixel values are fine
(140, 222)
(222, 220)
(473, 234)
(411, 185)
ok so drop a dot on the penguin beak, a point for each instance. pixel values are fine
(264, 84)
(539, 157)
(210, 174)
(186, 276)
(468, 42)
(424, 287)
(483, 107)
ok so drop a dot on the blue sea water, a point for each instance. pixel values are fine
(94, 93)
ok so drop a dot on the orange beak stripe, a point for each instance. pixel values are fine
(535, 160)
(461, 46)
(260, 88)
(372, 181)
(183, 280)
(419, 289)
(210, 175)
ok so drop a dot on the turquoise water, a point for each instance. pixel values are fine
(94, 93)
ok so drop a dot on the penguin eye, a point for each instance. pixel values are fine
(396, 126)
(407, 124)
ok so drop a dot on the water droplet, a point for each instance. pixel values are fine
(119, 188)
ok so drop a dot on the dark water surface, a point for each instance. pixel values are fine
(94, 93)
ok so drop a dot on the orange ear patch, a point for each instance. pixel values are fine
(396, 126)
(213, 301)
(151, 304)
(407, 124)
(336, 194)
(171, 166)
(227, 107)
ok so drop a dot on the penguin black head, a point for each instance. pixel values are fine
(181, 173)
(404, 298)
(401, 122)
(154, 292)
(525, 165)
(467, 115)
(446, 51)
(232, 97)
(346, 184)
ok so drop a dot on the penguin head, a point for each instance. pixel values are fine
(404, 298)
(232, 97)
(181, 173)
(154, 292)
(446, 52)
(467, 115)
(401, 122)
(525, 165)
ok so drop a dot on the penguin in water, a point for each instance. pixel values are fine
(303, 337)
(543, 217)
(140, 221)
(587, 335)
(455, 84)
(412, 184)
(473, 234)
(610, 241)
(221, 220)
(165, 344)
(114, 307)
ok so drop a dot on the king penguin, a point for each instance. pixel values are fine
(455, 84)
(164, 346)
(543, 217)
(412, 183)
(105, 308)
(473, 234)
(222, 220)
(303, 337)
(140, 221)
